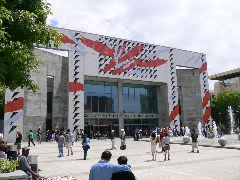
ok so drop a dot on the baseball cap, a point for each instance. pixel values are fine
(25, 148)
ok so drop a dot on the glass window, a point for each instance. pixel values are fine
(139, 99)
(95, 104)
(100, 97)
(131, 91)
(125, 89)
(115, 97)
(102, 104)
(87, 103)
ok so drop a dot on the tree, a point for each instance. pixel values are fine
(2, 97)
(22, 25)
(220, 105)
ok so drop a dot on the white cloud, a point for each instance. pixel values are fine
(208, 26)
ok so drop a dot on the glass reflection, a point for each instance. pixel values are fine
(139, 99)
(100, 97)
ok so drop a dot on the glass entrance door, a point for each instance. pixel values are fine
(146, 125)
(103, 126)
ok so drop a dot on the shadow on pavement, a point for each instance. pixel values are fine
(219, 147)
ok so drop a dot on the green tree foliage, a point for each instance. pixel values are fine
(220, 105)
(2, 98)
(22, 25)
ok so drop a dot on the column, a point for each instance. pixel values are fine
(205, 93)
(13, 115)
(76, 92)
(120, 106)
(162, 100)
(173, 92)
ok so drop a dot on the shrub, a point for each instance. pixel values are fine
(7, 166)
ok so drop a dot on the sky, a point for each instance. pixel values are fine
(211, 27)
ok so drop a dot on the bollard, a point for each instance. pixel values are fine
(33, 163)
(12, 152)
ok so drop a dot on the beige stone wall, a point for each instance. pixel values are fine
(221, 87)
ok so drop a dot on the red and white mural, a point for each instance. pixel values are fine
(102, 56)
(117, 58)
(13, 117)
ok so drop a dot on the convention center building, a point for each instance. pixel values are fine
(105, 83)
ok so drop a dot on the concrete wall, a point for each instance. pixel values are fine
(190, 97)
(35, 108)
(162, 99)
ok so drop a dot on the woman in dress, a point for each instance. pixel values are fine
(123, 140)
(85, 145)
(153, 141)
(166, 146)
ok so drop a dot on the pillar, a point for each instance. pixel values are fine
(120, 106)
(76, 91)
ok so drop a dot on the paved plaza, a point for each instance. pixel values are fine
(213, 162)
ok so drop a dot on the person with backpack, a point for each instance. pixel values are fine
(85, 145)
(30, 138)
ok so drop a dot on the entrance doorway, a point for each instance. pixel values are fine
(103, 126)
(146, 125)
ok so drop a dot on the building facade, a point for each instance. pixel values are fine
(110, 83)
(227, 81)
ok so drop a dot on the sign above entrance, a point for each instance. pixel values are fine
(120, 115)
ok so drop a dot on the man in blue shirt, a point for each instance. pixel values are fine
(103, 170)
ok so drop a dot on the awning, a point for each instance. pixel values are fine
(226, 75)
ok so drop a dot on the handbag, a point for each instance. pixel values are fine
(87, 146)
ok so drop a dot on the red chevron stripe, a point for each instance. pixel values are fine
(206, 98)
(206, 115)
(14, 105)
(203, 68)
(75, 86)
(98, 47)
(174, 113)
(64, 39)
(152, 63)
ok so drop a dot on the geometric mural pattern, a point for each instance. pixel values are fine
(120, 57)
(13, 112)
(173, 99)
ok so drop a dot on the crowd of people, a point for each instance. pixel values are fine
(103, 170)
